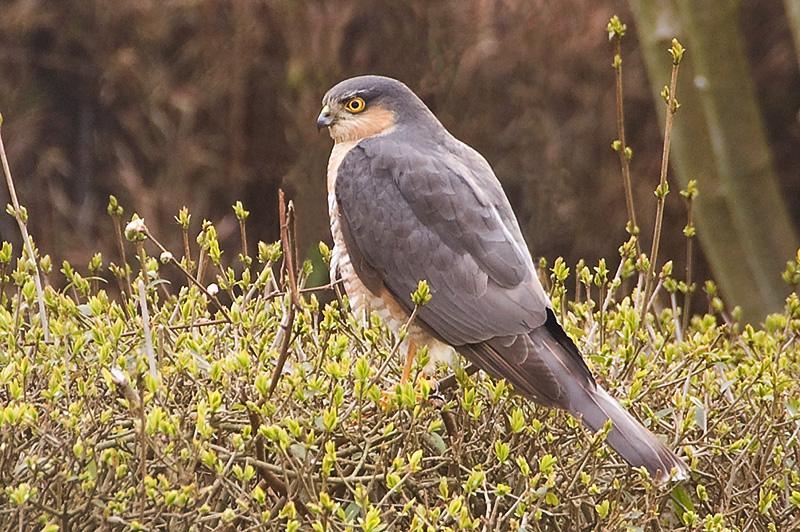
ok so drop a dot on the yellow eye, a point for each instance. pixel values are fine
(355, 105)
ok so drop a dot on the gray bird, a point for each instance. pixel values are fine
(408, 201)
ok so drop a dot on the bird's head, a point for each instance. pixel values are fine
(365, 106)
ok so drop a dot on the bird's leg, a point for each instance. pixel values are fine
(387, 395)
(426, 384)
(424, 375)
(410, 356)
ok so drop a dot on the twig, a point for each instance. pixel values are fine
(606, 301)
(668, 93)
(286, 215)
(142, 453)
(241, 216)
(192, 278)
(678, 326)
(115, 211)
(148, 339)
(689, 232)
(23, 229)
(286, 340)
(287, 240)
(616, 31)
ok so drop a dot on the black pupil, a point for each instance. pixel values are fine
(355, 104)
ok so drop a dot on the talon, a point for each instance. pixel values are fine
(436, 396)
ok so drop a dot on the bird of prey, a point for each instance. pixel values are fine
(408, 201)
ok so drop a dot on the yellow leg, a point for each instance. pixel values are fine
(423, 379)
(410, 355)
(387, 395)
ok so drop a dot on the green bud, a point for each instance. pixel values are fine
(676, 51)
(239, 210)
(114, 208)
(628, 152)
(422, 295)
(325, 252)
(690, 192)
(183, 218)
(615, 28)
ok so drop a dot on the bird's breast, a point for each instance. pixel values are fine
(338, 153)
(362, 300)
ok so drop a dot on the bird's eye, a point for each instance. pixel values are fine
(355, 105)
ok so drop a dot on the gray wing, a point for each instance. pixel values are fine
(411, 215)
(442, 216)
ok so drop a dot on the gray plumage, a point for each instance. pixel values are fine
(416, 203)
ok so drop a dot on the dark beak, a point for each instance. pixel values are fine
(325, 118)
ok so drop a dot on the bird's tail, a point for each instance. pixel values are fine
(594, 406)
(637, 445)
(545, 365)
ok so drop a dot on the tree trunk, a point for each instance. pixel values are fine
(718, 139)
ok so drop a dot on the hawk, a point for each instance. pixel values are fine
(408, 201)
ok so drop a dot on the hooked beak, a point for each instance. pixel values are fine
(325, 118)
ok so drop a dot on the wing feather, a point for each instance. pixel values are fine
(414, 214)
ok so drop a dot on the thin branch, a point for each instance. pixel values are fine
(609, 295)
(662, 190)
(287, 240)
(23, 229)
(192, 278)
(689, 232)
(617, 29)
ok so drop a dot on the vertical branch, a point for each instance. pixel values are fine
(286, 216)
(115, 211)
(616, 30)
(792, 8)
(21, 216)
(689, 232)
(183, 219)
(668, 93)
(142, 453)
(241, 216)
(243, 235)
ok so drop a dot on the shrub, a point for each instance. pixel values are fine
(162, 407)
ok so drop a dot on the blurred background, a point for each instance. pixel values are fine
(204, 102)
